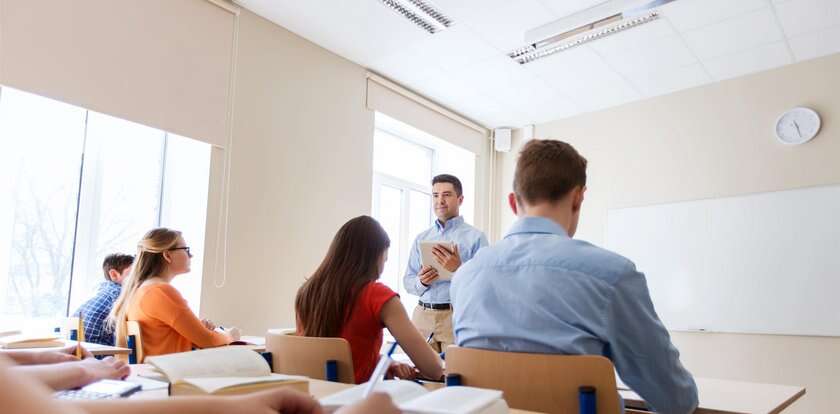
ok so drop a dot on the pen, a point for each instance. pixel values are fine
(379, 372)
(429, 341)
(79, 337)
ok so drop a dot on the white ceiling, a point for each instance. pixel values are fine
(466, 68)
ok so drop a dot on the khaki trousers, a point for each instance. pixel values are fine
(437, 321)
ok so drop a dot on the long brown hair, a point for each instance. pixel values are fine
(324, 301)
(149, 263)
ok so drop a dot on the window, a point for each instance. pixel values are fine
(82, 185)
(404, 161)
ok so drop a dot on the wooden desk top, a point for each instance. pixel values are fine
(733, 397)
(717, 396)
(317, 388)
(95, 349)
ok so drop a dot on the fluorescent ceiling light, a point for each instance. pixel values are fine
(605, 19)
(420, 12)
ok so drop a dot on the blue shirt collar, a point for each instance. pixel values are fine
(110, 285)
(533, 224)
(454, 221)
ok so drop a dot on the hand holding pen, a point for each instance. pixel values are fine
(379, 371)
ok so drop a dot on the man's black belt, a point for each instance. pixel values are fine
(435, 306)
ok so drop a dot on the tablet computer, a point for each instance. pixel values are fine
(427, 258)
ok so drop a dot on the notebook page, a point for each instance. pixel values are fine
(215, 362)
(211, 385)
(400, 391)
(453, 400)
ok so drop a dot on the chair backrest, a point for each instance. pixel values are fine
(135, 342)
(68, 328)
(546, 383)
(308, 356)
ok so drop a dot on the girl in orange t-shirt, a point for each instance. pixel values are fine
(344, 299)
(167, 324)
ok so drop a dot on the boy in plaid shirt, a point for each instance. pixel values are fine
(116, 267)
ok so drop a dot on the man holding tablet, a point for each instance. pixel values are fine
(431, 265)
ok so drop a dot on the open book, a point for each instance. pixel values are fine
(427, 258)
(17, 341)
(412, 398)
(225, 370)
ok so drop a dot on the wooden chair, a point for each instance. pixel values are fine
(134, 342)
(545, 383)
(308, 356)
(68, 328)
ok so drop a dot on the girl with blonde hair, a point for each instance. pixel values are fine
(166, 322)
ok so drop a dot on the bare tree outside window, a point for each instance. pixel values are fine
(78, 185)
(43, 140)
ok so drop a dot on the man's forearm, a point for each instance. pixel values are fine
(22, 357)
(413, 285)
(61, 376)
(176, 405)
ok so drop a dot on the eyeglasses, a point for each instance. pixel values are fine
(185, 248)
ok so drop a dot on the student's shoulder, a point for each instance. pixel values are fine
(375, 294)
(159, 292)
(377, 288)
(600, 261)
(485, 257)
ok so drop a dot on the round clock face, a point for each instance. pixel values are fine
(797, 126)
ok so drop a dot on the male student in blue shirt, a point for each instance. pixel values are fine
(540, 291)
(433, 315)
(94, 312)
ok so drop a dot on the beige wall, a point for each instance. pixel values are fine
(708, 142)
(301, 166)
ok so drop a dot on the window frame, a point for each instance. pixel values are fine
(405, 187)
(81, 233)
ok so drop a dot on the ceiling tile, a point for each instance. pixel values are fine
(581, 75)
(491, 73)
(816, 44)
(447, 90)
(563, 8)
(550, 110)
(805, 16)
(502, 23)
(646, 48)
(465, 68)
(692, 14)
(666, 81)
(734, 35)
(755, 60)
(457, 47)
(527, 93)
(446, 50)
(376, 31)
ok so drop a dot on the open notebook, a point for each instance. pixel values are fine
(225, 370)
(412, 398)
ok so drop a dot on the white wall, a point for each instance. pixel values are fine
(301, 166)
(709, 142)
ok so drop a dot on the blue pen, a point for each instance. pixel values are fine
(429, 341)
(380, 370)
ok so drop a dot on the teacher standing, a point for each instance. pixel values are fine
(433, 314)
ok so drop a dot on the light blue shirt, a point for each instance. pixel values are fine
(540, 291)
(468, 238)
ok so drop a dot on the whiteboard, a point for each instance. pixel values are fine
(760, 263)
